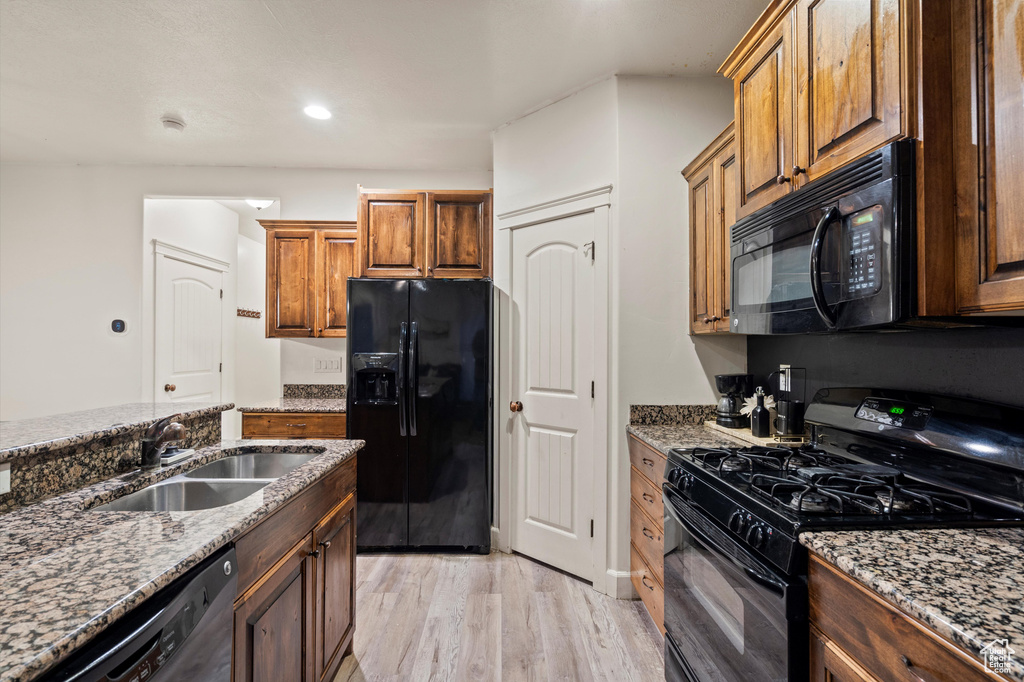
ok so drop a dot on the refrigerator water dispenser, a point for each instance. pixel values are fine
(376, 378)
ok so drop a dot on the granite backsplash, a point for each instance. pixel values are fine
(330, 391)
(61, 470)
(651, 415)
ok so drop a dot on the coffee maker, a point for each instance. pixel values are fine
(734, 388)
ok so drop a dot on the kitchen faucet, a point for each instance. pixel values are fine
(156, 439)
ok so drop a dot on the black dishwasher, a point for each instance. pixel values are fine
(183, 632)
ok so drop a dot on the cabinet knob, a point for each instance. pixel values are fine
(707, 320)
(315, 554)
(515, 406)
(782, 179)
(321, 330)
(326, 544)
(170, 387)
(715, 318)
(797, 170)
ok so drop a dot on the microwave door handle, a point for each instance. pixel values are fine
(759, 577)
(817, 287)
(401, 379)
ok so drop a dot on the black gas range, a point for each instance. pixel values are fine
(735, 585)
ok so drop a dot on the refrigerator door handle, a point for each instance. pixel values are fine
(414, 377)
(401, 378)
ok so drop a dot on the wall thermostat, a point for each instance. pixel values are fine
(118, 327)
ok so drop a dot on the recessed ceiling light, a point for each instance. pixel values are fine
(259, 204)
(314, 111)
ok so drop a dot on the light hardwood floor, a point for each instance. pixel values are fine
(496, 617)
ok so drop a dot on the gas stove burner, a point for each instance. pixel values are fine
(897, 503)
(733, 464)
(809, 501)
(878, 471)
(812, 473)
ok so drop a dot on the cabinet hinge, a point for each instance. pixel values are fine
(221, 368)
(591, 527)
(222, 293)
(591, 389)
(589, 246)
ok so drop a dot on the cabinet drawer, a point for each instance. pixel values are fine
(648, 461)
(647, 497)
(880, 637)
(650, 590)
(647, 537)
(293, 425)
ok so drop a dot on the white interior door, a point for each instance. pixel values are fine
(553, 356)
(187, 361)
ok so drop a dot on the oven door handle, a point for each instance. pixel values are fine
(817, 286)
(764, 579)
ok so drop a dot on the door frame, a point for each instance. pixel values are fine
(161, 252)
(598, 203)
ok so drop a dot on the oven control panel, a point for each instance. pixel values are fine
(863, 251)
(894, 413)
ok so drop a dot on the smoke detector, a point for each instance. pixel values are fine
(173, 123)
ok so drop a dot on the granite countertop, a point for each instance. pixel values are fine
(297, 405)
(664, 437)
(69, 572)
(965, 583)
(28, 437)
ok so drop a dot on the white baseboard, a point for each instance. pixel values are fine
(618, 585)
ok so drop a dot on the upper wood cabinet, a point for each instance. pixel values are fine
(713, 179)
(817, 83)
(308, 266)
(418, 233)
(988, 162)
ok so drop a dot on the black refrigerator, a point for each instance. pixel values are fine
(419, 394)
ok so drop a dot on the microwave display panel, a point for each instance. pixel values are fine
(863, 276)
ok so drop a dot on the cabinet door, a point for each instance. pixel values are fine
(988, 110)
(459, 234)
(763, 87)
(335, 587)
(392, 234)
(727, 194)
(702, 250)
(291, 273)
(848, 65)
(337, 260)
(273, 622)
(829, 663)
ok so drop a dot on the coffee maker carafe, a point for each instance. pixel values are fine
(734, 388)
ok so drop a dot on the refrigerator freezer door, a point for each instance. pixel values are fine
(450, 422)
(377, 312)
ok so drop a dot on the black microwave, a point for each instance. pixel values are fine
(836, 254)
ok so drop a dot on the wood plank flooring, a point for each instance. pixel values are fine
(497, 617)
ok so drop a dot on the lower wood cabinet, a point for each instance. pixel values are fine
(293, 424)
(294, 617)
(855, 635)
(646, 521)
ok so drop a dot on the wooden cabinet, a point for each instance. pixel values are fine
(293, 425)
(647, 527)
(295, 614)
(308, 266)
(988, 160)
(817, 83)
(418, 233)
(713, 179)
(855, 635)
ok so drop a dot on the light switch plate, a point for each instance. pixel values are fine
(327, 365)
(5, 478)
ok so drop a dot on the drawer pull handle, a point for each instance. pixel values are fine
(910, 669)
(643, 579)
(649, 462)
(294, 424)
(649, 498)
(647, 534)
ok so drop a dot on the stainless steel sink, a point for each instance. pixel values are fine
(260, 465)
(183, 495)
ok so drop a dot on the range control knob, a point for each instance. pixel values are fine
(687, 482)
(757, 536)
(737, 522)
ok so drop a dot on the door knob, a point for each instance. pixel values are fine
(169, 387)
(515, 406)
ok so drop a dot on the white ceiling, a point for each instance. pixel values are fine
(415, 84)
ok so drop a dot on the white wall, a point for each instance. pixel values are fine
(636, 133)
(257, 358)
(70, 239)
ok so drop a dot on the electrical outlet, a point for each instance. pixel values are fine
(5, 478)
(327, 365)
